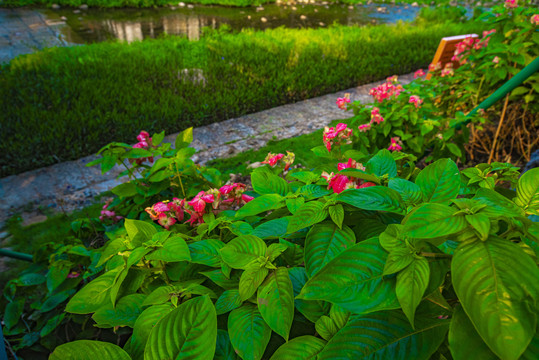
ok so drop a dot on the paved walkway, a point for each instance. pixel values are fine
(70, 185)
(23, 31)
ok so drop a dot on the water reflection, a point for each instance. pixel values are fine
(95, 25)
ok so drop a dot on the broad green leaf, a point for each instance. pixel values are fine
(311, 309)
(250, 279)
(239, 252)
(139, 231)
(411, 285)
(30, 279)
(409, 192)
(360, 174)
(430, 221)
(206, 252)
(386, 335)
(528, 192)
(125, 313)
(264, 182)
(496, 283)
(89, 350)
(13, 313)
(163, 293)
(382, 164)
(304, 347)
(143, 326)
(126, 189)
(174, 249)
(224, 349)
(463, 338)
(52, 324)
(228, 301)
(313, 191)
(275, 300)
(339, 315)
(272, 229)
(188, 332)
(260, 204)
(184, 138)
(377, 198)
(354, 280)
(440, 181)
(217, 276)
(336, 213)
(56, 275)
(308, 214)
(249, 333)
(293, 204)
(326, 327)
(323, 243)
(481, 224)
(94, 295)
(118, 280)
(497, 205)
(54, 300)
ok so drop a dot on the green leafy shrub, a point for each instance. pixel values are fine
(64, 103)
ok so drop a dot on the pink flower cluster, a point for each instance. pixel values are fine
(337, 135)
(419, 73)
(448, 70)
(375, 118)
(416, 100)
(339, 183)
(341, 102)
(535, 19)
(395, 144)
(435, 67)
(463, 47)
(272, 159)
(109, 215)
(167, 213)
(386, 90)
(144, 142)
(511, 4)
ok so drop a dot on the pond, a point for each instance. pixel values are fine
(95, 25)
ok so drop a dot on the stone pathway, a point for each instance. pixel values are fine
(23, 31)
(71, 185)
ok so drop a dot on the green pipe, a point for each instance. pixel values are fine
(505, 89)
(16, 255)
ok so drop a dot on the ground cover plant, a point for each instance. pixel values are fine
(75, 100)
(377, 244)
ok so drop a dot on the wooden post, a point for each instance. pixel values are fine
(446, 50)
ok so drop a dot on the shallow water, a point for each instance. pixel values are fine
(95, 25)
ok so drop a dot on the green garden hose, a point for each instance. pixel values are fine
(505, 89)
(16, 255)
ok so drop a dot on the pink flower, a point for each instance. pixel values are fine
(496, 60)
(234, 194)
(386, 90)
(351, 164)
(341, 102)
(143, 136)
(109, 214)
(337, 135)
(166, 221)
(338, 183)
(246, 198)
(419, 73)
(535, 19)
(395, 146)
(161, 207)
(416, 100)
(364, 127)
(375, 116)
(73, 275)
(447, 71)
(272, 159)
(199, 202)
(511, 4)
(435, 67)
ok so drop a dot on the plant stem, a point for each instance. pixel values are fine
(498, 129)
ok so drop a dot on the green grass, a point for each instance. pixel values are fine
(64, 103)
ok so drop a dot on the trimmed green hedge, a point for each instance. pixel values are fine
(64, 103)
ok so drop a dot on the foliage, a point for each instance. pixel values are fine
(75, 100)
(431, 123)
(397, 259)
